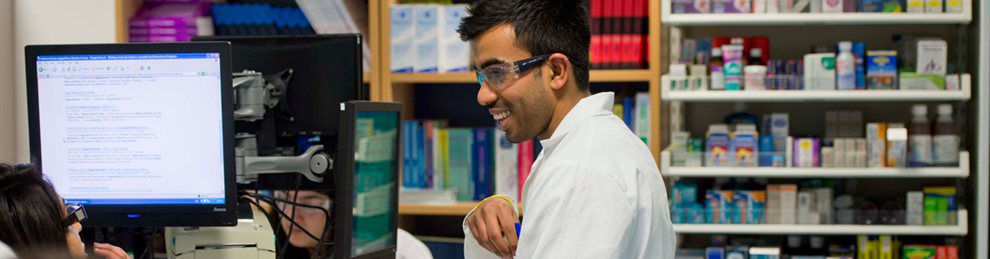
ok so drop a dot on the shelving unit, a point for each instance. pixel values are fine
(457, 209)
(596, 76)
(961, 172)
(796, 31)
(394, 86)
(738, 19)
(960, 229)
(963, 94)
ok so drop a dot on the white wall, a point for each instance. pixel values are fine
(7, 125)
(52, 22)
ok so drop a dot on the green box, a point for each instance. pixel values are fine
(919, 252)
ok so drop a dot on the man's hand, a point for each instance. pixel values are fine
(493, 225)
(109, 251)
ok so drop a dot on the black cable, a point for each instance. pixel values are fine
(147, 245)
(280, 212)
(326, 214)
(288, 236)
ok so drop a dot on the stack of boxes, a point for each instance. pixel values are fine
(166, 21)
(424, 39)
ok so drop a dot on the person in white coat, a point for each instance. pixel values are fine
(595, 190)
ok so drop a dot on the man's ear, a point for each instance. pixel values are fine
(560, 67)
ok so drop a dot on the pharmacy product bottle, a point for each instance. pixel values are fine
(919, 138)
(845, 67)
(755, 57)
(716, 70)
(946, 139)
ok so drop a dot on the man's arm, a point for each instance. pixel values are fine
(489, 229)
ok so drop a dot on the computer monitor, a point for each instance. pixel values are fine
(140, 134)
(366, 202)
(326, 71)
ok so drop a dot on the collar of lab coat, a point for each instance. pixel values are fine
(591, 106)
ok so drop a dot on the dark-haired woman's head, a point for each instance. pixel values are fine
(31, 215)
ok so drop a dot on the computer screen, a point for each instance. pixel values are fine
(138, 132)
(366, 222)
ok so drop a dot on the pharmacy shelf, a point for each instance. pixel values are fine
(962, 171)
(773, 19)
(962, 94)
(790, 229)
(456, 209)
(630, 75)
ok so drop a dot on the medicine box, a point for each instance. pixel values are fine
(932, 55)
(402, 37)
(454, 53)
(426, 24)
(881, 69)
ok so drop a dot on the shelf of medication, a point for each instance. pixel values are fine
(857, 18)
(702, 95)
(600, 75)
(962, 171)
(961, 229)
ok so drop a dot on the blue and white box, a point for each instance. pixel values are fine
(402, 36)
(454, 53)
(426, 24)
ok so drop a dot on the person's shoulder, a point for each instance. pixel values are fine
(608, 138)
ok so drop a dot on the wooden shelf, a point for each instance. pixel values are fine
(597, 76)
(736, 19)
(961, 229)
(961, 172)
(456, 209)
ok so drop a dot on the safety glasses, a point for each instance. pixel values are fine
(74, 213)
(500, 76)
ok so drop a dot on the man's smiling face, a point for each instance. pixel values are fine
(524, 107)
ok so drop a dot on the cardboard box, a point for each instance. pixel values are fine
(916, 6)
(876, 144)
(454, 53)
(896, 145)
(819, 71)
(934, 6)
(932, 56)
(788, 203)
(914, 209)
(919, 252)
(426, 24)
(401, 38)
(881, 69)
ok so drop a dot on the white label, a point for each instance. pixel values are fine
(920, 149)
(946, 149)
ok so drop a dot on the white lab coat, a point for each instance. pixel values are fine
(594, 192)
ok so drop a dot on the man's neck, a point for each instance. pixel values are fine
(563, 107)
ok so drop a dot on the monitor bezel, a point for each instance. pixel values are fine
(147, 215)
(344, 189)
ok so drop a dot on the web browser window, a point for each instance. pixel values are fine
(132, 128)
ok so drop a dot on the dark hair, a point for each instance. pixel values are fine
(541, 26)
(30, 213)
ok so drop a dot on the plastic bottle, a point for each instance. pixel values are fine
(946, 139)
(716, 70)
(755, 57)
(919, 138)
(845, 67)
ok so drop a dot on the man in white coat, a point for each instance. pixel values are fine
(595, 190)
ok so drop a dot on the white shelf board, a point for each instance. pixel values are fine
(668, 18)
(960, 229)
(793, 172)
(962, 94)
